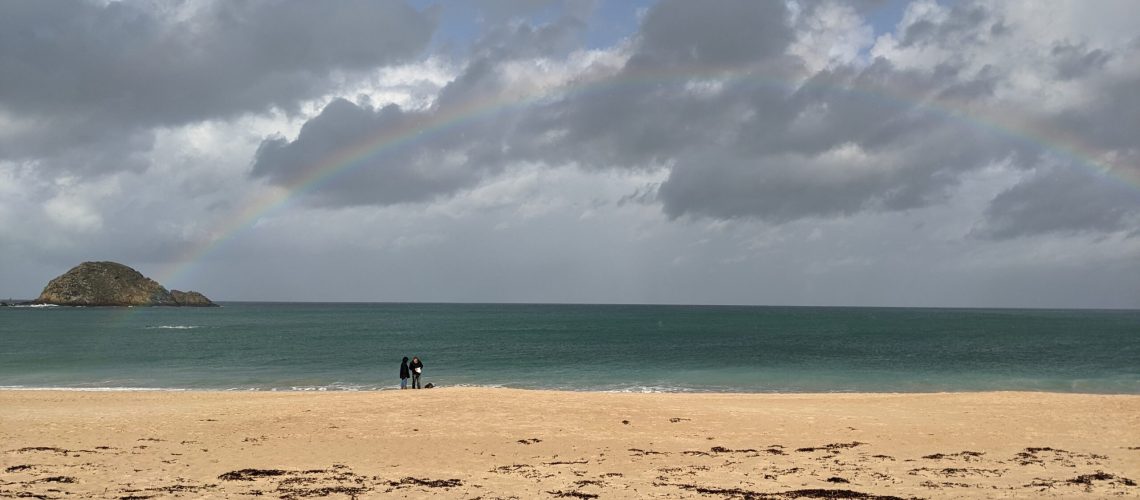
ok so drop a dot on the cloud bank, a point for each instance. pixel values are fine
(724, 151)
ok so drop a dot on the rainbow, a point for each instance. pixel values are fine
(354, 156)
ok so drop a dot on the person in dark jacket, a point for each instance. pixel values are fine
(404, 371)
(417, 367)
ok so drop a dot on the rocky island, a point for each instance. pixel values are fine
(113, 284)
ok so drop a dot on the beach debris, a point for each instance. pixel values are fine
(1038, 456)
(679, 419)
(638, 452)
(957, 472)
(524, 470)
(946, 484)
(55, 479)
(251, 474)
(52, 449)
(802, 493)
(965, 455)
(625, 422)
(773, 450)
(429, 483)
(572, 494)
(529, 441)
(324, 491)
(307, 483)
(833, 447)
(721, 449)
(1087, 479)
(836, 479)
(18, 468)
(174, 488)
(567, 462)
(1042, 483)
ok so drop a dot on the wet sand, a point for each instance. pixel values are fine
(502, 443)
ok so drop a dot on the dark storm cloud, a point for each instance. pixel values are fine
(482, 78)
(402, 174)
(966, 22)
(1075, 61)
(621, 127)
(729, 183)
(1111, 118)
(1062, 200)
(420, 170)
(80, 68)
(772, 143)
(715, 32)
(779, 153)
(782, 167)
(749, 149)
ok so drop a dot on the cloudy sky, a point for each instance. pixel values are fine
(807, 152)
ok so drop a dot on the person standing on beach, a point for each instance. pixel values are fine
(404, 373)
(417, 367)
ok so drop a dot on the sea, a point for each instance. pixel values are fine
(248, 346)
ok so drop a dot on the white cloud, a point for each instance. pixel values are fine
(831, 34)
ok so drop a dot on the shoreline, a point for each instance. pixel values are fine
(459, 442)
(336, 390)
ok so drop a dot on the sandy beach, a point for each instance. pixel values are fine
(502, 443)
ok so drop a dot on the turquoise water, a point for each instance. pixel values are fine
(300, 346)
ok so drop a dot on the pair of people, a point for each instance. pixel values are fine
(413, 369)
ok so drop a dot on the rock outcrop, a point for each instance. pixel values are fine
(190, 299)
(113, 284)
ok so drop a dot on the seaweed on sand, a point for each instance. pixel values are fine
(251, 474)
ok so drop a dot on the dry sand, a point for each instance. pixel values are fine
(502, 443)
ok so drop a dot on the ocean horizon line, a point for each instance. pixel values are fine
(19, 303)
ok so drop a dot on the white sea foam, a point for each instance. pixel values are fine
(650, 389)
(480, 386)
(335, 386)
(35, 306)
(173, 327)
